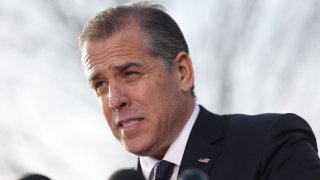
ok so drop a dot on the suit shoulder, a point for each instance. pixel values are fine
(266, 119)
(262, 124)
(247, 122)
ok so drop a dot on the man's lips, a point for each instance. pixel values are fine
(128, 122)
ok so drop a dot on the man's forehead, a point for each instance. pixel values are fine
(91, 48)
(112, 46)
(112, 62)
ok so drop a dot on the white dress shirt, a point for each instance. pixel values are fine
(175, 151)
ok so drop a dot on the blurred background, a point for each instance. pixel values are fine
(249, 56)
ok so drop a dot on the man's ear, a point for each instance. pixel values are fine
(185, 71)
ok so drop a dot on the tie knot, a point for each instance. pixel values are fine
(164, 170)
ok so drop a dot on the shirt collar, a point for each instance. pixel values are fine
(176, 150)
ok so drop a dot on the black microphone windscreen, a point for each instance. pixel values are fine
(126, 174)
(193, 174)
(34, 177)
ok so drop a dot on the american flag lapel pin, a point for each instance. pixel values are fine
(204, 160)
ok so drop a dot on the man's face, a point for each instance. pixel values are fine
(141, 100)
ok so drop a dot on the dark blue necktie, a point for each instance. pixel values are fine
(164, 170)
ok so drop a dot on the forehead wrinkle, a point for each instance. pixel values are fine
(114, 49)
(94, 57)
(88, 56)
(111, 49)
(113, 62)
(125, 65)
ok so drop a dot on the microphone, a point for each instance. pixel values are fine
(126, 174)
(193, 174)
(34, 177)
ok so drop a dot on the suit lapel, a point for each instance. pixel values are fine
(204, 145)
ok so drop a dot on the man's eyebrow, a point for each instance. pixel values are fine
(94, 76)
(120, 68)
(125, 66)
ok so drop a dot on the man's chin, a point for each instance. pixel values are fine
(138, 150)
(147, 152)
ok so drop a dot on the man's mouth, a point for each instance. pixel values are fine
(125, 123)
(129, 123)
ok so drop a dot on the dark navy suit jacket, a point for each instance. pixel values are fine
(259, 147)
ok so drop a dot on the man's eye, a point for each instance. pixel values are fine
(131, 74)
(98, 85)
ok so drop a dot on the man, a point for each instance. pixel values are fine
(137, 61)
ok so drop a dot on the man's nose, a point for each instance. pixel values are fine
(117, 98)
